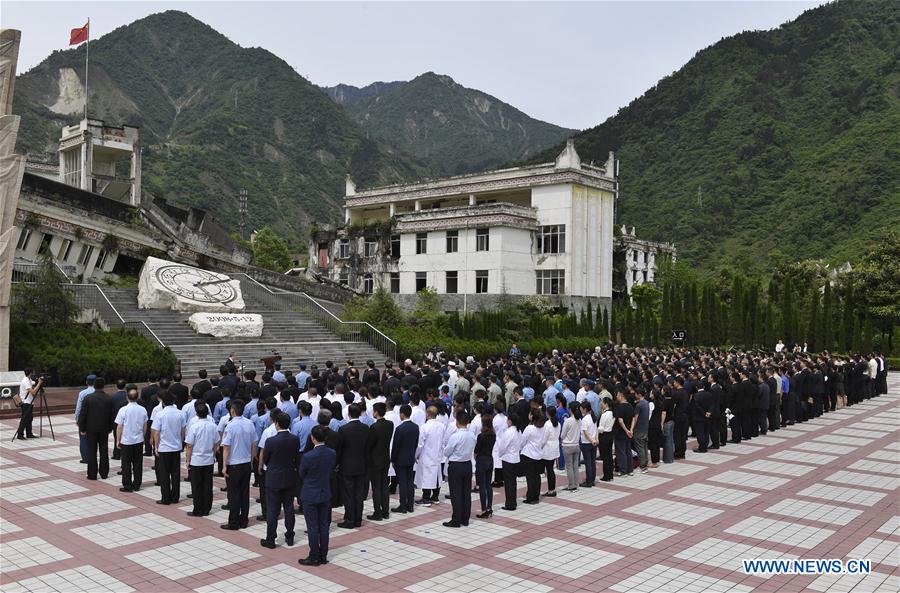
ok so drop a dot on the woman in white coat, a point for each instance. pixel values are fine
(551, 450)
(428, 459)
(499, 424)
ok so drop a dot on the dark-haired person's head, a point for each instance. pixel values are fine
(271, 403)
(379, 409)
(462, 418)
(405, 411)
(120, 384)
(99, 383)
(166, 398)
(353, 410)
(318, 433)
(305, 408)
(177, 377)
(201, 409)
(202, 373)
(282, 420)
(237, 407)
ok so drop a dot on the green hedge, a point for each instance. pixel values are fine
(71, 353)
(413, 342)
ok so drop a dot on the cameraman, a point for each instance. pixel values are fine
(28, 389)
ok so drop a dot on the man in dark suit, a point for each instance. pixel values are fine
(701, 414)
(230, 365)
(403, 457)
(521, 407)
(199, 389)
(280, 458)
(96, 422)
(379, 460)
(315, 473)
(351, 461)
(119, 401)
(179, 391)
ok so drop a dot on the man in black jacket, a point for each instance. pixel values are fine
(403, 457)
(682, 401)
(96, 422)
(351, 462)
(380, 435)
(179, 391)
(701, 415)
(281, 458)
(199, 389)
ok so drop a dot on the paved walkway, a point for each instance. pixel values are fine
(829, 488)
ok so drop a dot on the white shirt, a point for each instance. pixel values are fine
(132, 417)
(551, 448)
(533, 441)
(873, 368)
(607, 421)
(418, 415)
(24, 386)
(588, 426)
(508, 442)
(270, 431)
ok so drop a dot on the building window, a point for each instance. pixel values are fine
(395, 282)
(368, 284)
(344, 277)
(64, 250)
(369, 248)
(482, 239)
(645, 275)
(101, 258)
(24, 237)
(452, 282)
(552, 239)
(452, 241)
(395, 246)
(343, 249)
(86, 252)
(421, 281)
(421, 242)
(633, 276)
(635, 256)
(551, 281)
(44, 248)
(481, 281)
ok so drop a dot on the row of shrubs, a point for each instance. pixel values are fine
(68, 353)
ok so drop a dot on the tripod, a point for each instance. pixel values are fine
(43, 408)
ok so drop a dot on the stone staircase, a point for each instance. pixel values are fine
(295, 335)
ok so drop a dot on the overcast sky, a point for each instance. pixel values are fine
(573, 64)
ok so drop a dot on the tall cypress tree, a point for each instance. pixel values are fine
(827, 318)
(849, 324)
(628, 335)
(812, 331)
(787, 311)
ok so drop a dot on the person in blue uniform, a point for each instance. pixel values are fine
(315, 473)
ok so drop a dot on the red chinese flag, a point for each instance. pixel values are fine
(79, 35)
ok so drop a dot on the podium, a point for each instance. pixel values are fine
(269, 362)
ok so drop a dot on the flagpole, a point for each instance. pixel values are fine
(87, 54)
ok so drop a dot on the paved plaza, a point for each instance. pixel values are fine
(828, 488)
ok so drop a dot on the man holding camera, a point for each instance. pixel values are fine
(28, 390)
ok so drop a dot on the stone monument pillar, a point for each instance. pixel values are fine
(12, 167)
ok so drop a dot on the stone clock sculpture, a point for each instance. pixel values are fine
(170, 285)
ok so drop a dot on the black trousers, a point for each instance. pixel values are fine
(748, 423)
(762, 420)
(510, 473)
(775, 413)
(736, 429)
(459, 476)
(484, 468)
(318, 519)
(654, 442)
(548, 466)
(353, 490)
(701, 430)
(380, 497)
(263, 499)
(238, 484)
(98, 443)
(606, 454)
(715, 431)
(132, 465)
(405, 486)
(26, 420)
(169, 473)
(202, 488)
(533, 469)
(278, 500)
(681, 432)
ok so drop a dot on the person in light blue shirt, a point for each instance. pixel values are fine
(238, 448)
(201, 445)
(250, 410)
(302, 426)
(167, 434)
(82, 439)
(567, 393)
(593, 398)
(550, 393)
(459, 451)
(287, 405)
(302, 377)
(278, 377)
(221, 410)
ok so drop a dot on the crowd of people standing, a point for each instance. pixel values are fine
(331, 437)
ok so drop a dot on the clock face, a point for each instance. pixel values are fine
(197, 285)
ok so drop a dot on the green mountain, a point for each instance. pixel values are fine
(214, 117)
(449, 128)
(785, 140)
